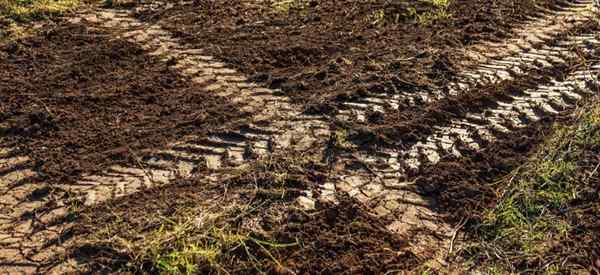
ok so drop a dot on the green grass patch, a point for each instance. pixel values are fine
(29, 10)
(438, 12)
(285, 6)
(423, 12)
(192, 240)
(15, 14)
(545, 206)
(200, 229)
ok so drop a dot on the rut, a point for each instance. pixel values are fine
(494, 62)
(382, 181)
(31, 237)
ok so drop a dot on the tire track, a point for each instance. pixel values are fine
(532, 49)
(38, 223)
(276, 123)
(34, 230)
(382, 181)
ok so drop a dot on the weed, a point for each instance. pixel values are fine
(12, 32)
(532, 216)
(437, 11)
(28, 10)
(341, 139)
(285, 6)
(205, 248)
(216, 234)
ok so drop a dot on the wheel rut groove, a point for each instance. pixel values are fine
(40, 226)
(553, 49)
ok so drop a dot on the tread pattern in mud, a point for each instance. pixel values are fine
(278, 124)
(385, 179)
(497, 62)
(382, 182)
(275, 124)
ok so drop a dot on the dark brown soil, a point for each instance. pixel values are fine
(323, 51)
(456, 182)
(457, 186)
(74, 100)
(342, 238)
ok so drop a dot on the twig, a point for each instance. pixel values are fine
(460, 225)
(593, 172)
(135, 156)
(45, 107)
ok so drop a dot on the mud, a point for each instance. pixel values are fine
(317, 52)
(106, 103)
(340, 238)
(76, 101)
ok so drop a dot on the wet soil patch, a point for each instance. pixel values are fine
(316, 50)
(77, 101)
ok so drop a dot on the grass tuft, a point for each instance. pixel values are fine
(285, 6)
(545, 205)
(28, 10)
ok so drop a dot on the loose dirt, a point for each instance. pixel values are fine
(93, 103)
(317, 51)
(76, 101)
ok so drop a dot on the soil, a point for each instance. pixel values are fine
(344, 238)
(456, 182)
(76, 101)
(336, 238)
(321, 52)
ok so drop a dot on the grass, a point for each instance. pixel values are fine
(437, 10)
(545, 206)
(15, 13)
(192, 240)
(284, 6)
(29, 10)
(211, 229)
